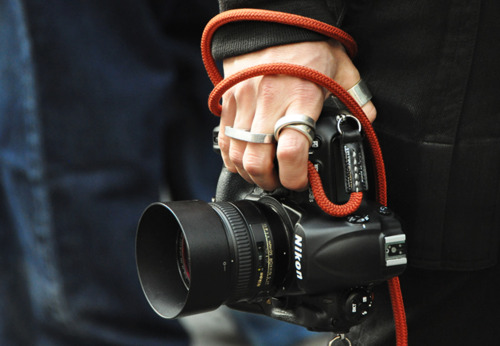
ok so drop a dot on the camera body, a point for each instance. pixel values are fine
(275, 253)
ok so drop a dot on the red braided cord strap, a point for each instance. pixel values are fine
(325, 204)
(266, 16)
(398, 311)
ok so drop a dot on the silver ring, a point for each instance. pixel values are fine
(360, 93)
(304, 129)
(247, 136)
(293, 119)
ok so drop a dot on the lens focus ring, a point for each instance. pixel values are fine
(243, 253)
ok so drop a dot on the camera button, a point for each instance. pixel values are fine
(316, 143)
(358, 305)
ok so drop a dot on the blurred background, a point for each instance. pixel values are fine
(102, 110)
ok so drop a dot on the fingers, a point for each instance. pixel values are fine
(258, 159)
(238, 109)
(370, 111)
(257, 108)
(292, 154)
(257, 104)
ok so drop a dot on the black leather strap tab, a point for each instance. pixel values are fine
(353, 160)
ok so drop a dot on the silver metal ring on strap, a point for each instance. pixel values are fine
(247, 136)
(293, 119)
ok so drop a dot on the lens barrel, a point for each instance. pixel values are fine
(194, 256)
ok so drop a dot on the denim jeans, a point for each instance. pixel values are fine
(95, 114)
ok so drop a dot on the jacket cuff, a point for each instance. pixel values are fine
(244, 37)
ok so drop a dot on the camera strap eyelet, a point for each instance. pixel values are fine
(340, 340)
(344, 117)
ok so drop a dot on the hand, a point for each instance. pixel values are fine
(256, 104)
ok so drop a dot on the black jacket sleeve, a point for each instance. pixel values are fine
(244, 37)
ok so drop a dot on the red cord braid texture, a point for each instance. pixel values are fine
(326, 205)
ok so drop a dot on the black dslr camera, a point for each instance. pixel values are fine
(275, 254)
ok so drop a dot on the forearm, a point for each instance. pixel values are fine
(245, 37)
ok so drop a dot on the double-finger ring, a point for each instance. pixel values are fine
(247, 136)
(294, 119)
(304, 129)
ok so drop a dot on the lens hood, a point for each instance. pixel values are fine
(206, 254)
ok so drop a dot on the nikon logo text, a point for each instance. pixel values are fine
(298, 256)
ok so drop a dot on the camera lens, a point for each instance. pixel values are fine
(194, 256)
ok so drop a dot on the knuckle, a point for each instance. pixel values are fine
(224, 143)
(306, 91)
(287, 154)
(288, 149)
(256, 165)
(228, 95)
(230, 167)
(370, 111)
(242, 90)
(268, 88)
(292, 156)
(372, 114)
(235, 156)
(296, 183)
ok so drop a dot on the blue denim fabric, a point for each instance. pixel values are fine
(88, 90)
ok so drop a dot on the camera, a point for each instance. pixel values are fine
(275, 253)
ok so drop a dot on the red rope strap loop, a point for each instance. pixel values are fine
(266, 16)
(326, 205)
(222, 85)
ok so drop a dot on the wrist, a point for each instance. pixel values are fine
(248, 36)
